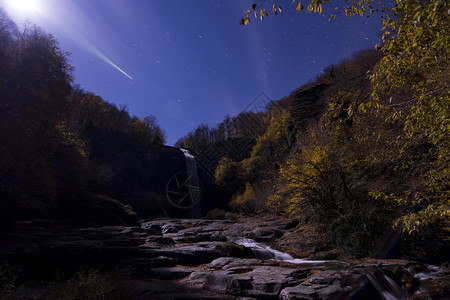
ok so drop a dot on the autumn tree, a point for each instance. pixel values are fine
(230, 175)
(415, 43)
(36, 139)
(348, 7)
(63, 151)
(405, 115)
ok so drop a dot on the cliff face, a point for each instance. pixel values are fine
(162, 163)
(208, 158)
(305, 104)
(236, 149)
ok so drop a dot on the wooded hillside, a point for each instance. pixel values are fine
(64, 152)
(363, 150)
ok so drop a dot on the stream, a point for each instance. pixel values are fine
(185, 259)
(387, 288)
(262, 251)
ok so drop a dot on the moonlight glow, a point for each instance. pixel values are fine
(24, 6)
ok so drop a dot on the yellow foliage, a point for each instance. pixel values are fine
(410, 86)
(229, 173)
(301, 174)
(274, 142)
(249, 202)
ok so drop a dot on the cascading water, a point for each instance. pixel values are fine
(193, 183)
(386, 287)
(266, 252)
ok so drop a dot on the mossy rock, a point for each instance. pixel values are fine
(216, 214)
(234, 250)
(231, 216)
(101, 210)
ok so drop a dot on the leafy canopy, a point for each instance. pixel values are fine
(410, 87)
(349, 8)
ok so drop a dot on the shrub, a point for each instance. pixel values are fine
(231, 216)
(359, 233)
(92, 285)
(249, 202)
(8, 277)
(229, 175)
(216, 214)
(97, 209)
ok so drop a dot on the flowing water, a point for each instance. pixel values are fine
(193, 183)
(262, 251)
(387, 288)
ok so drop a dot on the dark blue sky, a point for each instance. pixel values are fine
(189, 62)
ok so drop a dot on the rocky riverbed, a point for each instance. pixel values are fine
(209, 259)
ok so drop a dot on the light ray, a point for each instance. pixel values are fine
(86, 44)
(24, 6)
(115, 66)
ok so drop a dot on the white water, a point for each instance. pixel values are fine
(191, 167)
(434, 272)
(193, 183)
(386, 287)
(266, 252)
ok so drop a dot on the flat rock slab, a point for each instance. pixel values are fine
(246, 277)
(185, 259)
(144, 289)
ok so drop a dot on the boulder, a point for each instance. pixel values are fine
(142, 267)
(299, 292)
(170, 273)
(234, 250)
(190, 256)
(246, 280)
(291, 224)
(265, 234)
(224, 263)
(172, 228)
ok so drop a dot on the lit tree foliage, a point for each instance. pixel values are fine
(249, 201)
(410, 92)
(349, 8)
(415, 44)
(229, 175)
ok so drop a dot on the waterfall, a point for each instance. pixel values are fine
(262, 251)
(193, 183)
(386, 287)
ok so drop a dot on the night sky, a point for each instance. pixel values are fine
(189, 62)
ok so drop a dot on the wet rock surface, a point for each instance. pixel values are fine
(190, 259)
